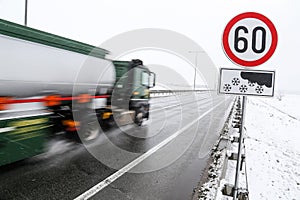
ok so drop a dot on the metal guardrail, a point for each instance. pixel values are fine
(177, 91)
(156, 93)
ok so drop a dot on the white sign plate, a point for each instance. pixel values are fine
(246, 82)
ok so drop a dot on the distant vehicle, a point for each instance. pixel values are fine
(51, 84)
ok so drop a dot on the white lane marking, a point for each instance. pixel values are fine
(197, 101)
(159, 109)
(98, 187)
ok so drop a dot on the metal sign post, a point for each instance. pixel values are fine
(241, 138)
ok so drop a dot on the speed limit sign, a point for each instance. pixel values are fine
(249, 39)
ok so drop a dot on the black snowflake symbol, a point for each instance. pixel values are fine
(259, 89)
(251, 84)
(227, 87)
(235, 81)
(243, 88)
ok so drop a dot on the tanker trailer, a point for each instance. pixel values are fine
(46, 80)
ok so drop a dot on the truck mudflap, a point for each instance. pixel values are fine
(23, 135)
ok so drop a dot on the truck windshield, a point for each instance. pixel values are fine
(145, 79)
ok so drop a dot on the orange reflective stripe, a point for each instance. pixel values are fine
(52, 100)
(71, 123)
(4, 103)
(84, 98)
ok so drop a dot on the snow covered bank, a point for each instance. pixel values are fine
(273, 148)
(271, 169)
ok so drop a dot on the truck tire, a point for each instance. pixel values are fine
(139, 116)
(89, 132)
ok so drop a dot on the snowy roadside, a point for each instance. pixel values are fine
(272, 153)
(272, 148)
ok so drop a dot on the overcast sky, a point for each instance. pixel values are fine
(94, 21)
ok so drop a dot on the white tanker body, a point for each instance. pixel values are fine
(43, 63)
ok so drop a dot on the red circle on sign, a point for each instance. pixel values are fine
(246, 63)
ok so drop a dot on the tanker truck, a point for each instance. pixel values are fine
(51, 85)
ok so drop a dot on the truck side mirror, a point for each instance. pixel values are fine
(152, 79)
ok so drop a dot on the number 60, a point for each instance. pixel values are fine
(238, 39)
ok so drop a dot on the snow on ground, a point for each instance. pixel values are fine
(286, 104)
(273, 147)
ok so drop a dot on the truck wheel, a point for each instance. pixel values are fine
(90, 132)
(139, 114)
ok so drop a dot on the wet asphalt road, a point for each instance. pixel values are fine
(171, 172)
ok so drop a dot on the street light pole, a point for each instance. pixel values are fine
(196, 60)
(25, 19)
(196, 64)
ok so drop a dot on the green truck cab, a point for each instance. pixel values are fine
(131, 90)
